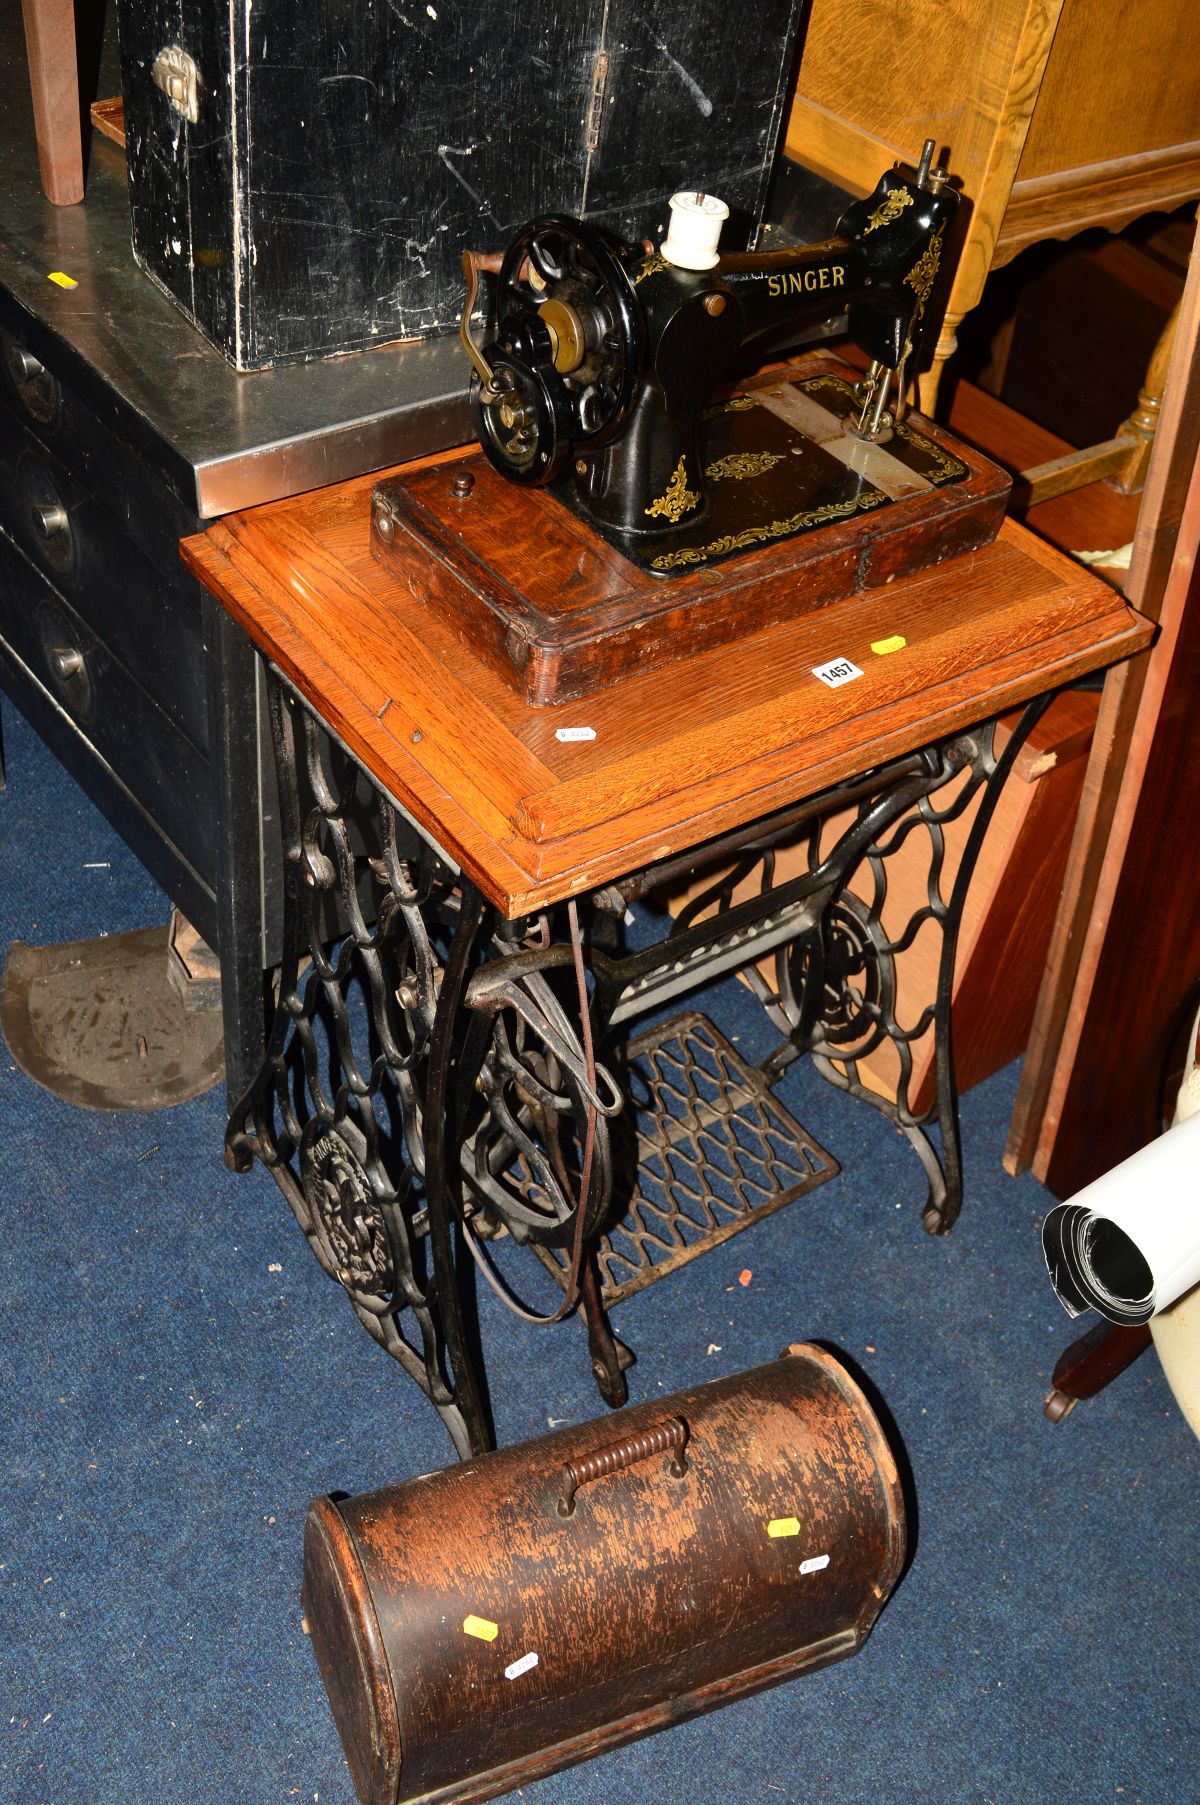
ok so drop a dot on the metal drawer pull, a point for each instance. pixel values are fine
(175, 72)
(67, 662)
(671, 1434)
(50, 518)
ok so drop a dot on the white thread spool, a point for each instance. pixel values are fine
(695, 228)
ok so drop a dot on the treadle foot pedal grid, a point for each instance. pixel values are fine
(715, 1153)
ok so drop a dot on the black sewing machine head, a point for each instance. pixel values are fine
(600, 357)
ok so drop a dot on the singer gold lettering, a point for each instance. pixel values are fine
(808, 281)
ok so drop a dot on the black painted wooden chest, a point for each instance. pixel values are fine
(304, 174)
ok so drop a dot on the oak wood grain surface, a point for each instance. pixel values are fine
(679, 754)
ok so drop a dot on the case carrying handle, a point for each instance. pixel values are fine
(618, 1455)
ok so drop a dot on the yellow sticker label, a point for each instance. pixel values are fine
(783, 1526)
(881, 647)
(56, 275)
(479, 1626)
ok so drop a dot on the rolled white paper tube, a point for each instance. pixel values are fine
(1128, 1244)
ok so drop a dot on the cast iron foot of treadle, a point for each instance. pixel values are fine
(715, 1152)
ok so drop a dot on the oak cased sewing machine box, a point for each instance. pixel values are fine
(304, 178)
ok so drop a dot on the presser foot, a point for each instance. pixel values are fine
(874, 420)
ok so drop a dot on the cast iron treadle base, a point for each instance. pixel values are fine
(715, 1152)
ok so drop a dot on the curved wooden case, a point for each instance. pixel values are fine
(483, 1626)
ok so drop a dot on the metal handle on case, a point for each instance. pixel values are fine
(672, 1434)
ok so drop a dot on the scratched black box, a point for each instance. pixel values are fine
(304, 174)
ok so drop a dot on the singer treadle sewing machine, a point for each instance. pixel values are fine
(456, 1072)
(450, 1082)
(596, 390)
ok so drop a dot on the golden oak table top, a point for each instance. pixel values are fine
(680, 753)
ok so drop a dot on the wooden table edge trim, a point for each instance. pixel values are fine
(563, 800)
(633, 843)
(524, 766)
(242, 571)
(519, 874)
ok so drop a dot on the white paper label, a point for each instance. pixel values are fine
(515, 1669)
(814, 1564)
(836, 672)
(566, 734)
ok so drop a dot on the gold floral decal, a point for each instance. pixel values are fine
(741, 464)
(840, 388)
(891, 207)
(651, 267)
(775, 529)
(922, 276)
(678, 498)
(737, 404)
(946, 468)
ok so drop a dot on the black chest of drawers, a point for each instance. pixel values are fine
(133, 678)
(101, 632)
(122, 431)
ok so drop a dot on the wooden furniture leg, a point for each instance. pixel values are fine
(929, 380)
(1093, 1362)
(1142, 423)
(1123, 460)
(54, 80)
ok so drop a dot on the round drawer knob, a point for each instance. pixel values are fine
(50, 518)
(68, 666)
(67, 662)
(32, 383)
(25, 366)
(48, 522)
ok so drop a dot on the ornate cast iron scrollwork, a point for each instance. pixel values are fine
(435, 1076)
(402, 1073)
(350, 1221)
(836, 991)
(337, 1109)
(846, 974)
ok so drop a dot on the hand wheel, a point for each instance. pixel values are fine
(566, 354)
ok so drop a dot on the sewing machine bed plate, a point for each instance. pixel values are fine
(801, 515)
(779, 463)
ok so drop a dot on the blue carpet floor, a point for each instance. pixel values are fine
(178, 1378)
